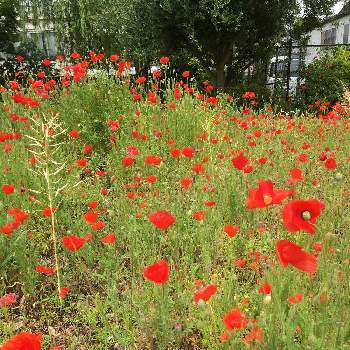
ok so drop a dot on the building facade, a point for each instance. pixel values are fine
(335, 30)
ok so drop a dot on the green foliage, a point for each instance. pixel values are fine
(110, 304)
(326, 79)
(224, 37)
(31, 65)
(9, 25)
(263, 94)
(89, 107)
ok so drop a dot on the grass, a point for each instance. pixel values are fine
(110, 304)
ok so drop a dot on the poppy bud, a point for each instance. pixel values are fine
(338, 176)
(267, 299)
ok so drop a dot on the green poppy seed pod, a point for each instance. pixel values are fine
(338, 176)
(306, 215)
(201, 303)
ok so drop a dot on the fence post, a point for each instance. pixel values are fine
(290, 43)
(275, 69)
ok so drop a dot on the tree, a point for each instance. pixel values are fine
(222, 36)
(228, 35)
(9, 25)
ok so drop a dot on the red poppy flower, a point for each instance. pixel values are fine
(99, 225)
(87, 149)
(235, 319)
(317, 246)
(231, 230)
(296, 175)
(74, 134)
(81, 162)
(186, 74)
(152, 160)
(45, 270)
(47, 212)
(140, 80)
(24, 341)
(8, 189)
(186, 182)
(265, 195)
(249, 94)
(127, 161)
(63, 292)
(91, 216)
(330, 164)
(199, 215)
(175, 153)
(198, 168)
(205, 293)
(113, 57)
(104, 191)
(92, 204)
(74, 243)
(303, 158)
(161, 219)
(75, 55)
(240, 162)
(224, 336)
(297, 298)
(188, 152)
(262, 160)
(132, 150)
(109, 239)
(10, 227)
(164, 60)
(8, 299)
(301, 215)
(265, 288)
(290, 253)
(151, 179)
(255, 334)
(19, 58)
(240, 262)
(157, 272)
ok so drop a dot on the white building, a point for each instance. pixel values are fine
(43, 35)
(336, 30)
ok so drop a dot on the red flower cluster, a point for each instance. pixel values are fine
(19, 217)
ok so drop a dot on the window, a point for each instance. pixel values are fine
(328, 37)
(346, 34)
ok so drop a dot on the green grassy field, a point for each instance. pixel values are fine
(126, 160)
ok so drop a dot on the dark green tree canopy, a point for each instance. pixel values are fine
(222, 36)
(9, 25)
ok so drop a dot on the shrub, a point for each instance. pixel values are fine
(263, 94)
(326, 79)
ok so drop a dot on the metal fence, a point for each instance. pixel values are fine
(289, 59)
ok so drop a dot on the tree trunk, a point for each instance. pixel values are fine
(224, 56)
(220, 75)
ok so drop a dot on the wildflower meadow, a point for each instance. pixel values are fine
(153, 212)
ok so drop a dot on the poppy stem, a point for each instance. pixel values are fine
(53, 216)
